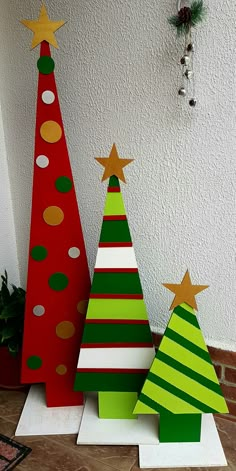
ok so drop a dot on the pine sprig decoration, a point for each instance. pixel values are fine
(188, 16)
(198, 12)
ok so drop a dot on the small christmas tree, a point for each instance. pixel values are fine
(117, 347)
(181, 384)
(58, 276)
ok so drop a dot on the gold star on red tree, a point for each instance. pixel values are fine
(185, 292)
(113, 165)
(43, 28)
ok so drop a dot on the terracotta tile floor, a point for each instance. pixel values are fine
(59, 453)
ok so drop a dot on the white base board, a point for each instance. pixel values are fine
(95, 431)
(38, 419)
(208, 452)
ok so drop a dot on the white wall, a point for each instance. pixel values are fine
(8, 253)
(117, 74)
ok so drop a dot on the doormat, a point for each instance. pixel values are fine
(11, 453)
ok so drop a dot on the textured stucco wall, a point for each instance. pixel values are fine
(8, 252)
(117, 75)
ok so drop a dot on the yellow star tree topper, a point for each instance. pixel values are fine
(113, 165)
(185, 292)
(43, 28)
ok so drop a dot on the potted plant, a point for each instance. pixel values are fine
(12, 305)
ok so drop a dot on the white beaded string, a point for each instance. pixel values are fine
(187, 81)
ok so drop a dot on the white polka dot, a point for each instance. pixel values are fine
(48, 97)
(39, 310)
(42, 161)
(74, 252)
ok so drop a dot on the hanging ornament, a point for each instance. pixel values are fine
(193, 102)
(187, 18)
(182, 91)
(188, 74)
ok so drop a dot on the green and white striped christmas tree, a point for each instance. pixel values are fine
(117, 347)
(181, 384)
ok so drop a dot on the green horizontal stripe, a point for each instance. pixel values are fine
(179, 393)
(114, 181)
(109, 381)
(116, 283)
(115, 231)
(107, 333)
(188, 345)
(187, 316)
(153, 404)
(188, 372)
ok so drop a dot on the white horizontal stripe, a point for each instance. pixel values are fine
(116, 257)
(116, 357)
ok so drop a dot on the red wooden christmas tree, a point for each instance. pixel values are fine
(58, 276)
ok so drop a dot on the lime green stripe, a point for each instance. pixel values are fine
(189, 372)
(142, 408)
(187, 331)
(179, 353)
(188, 308)
(107, 333)
(116, 283)
(186, 315)
(188, 345)
(180, 394)
(150, 406)
(167, 399)
(114, 205)
(133, 309)
(189, 386)
(115, 231)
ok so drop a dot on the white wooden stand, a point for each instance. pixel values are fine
(38, 419)
(208, 452)
(95, 431)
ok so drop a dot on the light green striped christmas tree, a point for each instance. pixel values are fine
(117, 348)
(181, 384)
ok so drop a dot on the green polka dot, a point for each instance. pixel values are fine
(58, 281)
(46, 65)
(34, 362)
(63, 184)
(39, 253)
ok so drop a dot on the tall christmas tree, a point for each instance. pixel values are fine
(58, 276)
(181, 384)
(117, 347)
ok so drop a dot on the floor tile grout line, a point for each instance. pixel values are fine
(53, 440)
(84, 454)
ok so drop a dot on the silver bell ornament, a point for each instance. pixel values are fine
(182, 91)
(185, 60)
(188, 74)
(193, 102)
(190, 47)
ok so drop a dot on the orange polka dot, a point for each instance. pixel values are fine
(82, 307)
(51, 131)
(65, 330)
(53, 215)
(61, 370)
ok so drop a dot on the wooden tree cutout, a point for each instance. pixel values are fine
(58, 277)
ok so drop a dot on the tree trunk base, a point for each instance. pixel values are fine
(117, 405)
(180, 428)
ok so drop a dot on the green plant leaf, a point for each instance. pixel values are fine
(8, 332)
(13, 348)
(5, 293)
(10, 311)
(12, 305)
